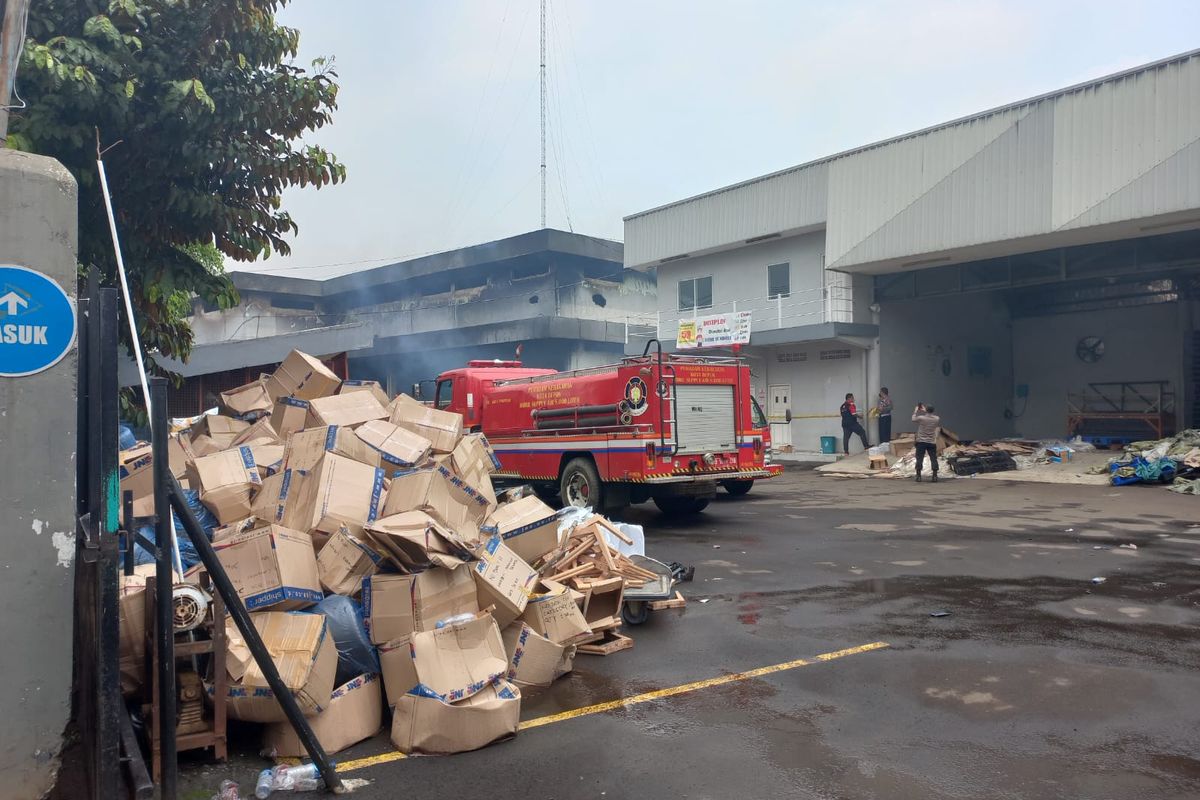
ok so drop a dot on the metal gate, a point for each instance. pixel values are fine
(96, 701)
(705, 419)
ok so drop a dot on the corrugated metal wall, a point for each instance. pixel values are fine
(781, 202)
(1119, 150)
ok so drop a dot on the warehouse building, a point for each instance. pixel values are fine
(1032, 270)
(563, 298)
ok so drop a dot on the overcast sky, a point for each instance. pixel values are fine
(653, 100)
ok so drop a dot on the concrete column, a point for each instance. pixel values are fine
(37, 493)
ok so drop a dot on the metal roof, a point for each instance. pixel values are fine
(1115, 149)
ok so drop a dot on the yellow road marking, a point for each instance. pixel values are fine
(647, 697)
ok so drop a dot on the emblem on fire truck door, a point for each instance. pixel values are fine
(635, 395)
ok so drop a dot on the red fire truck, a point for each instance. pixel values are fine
(670, 428)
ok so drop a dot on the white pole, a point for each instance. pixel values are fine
(779, 310)
(133, 334)
(543, 79)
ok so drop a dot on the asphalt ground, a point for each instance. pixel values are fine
(1036, 684)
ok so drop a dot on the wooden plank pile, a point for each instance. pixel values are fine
(586, 562)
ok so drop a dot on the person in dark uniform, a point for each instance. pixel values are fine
(851, 425)
(883, 409)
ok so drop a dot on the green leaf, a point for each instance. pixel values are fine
(129, 88)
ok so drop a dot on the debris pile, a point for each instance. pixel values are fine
(420, 590)
(1174, 460)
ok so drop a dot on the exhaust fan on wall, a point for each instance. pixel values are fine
(1089, 349)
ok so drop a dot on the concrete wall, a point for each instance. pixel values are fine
(740, 276)
(818, 388)
(1140, 344)
(925, 355)
(37, 493)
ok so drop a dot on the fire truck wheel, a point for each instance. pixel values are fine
(581, 484)
(678, 506)
(737, 488)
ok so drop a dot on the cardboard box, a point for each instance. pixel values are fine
(444, 496)
(136, 470)
(337, 491)
(442, 428)
(347, 409)
(261, 432)
(396, 446)
(306, 657)
(474, 459)
(355, 712)
(268, 456)
(344, 561)
(602, 602)
(395, 606)
(528, 526)
(289, 414)
(218, 426)
(203, 445)
(132, 615)
(902, 444)
(179, 453)
(415, 541)
(232, 529)
(305, 448)
(374, 387)
(1059, 455)
(422, 722)
(272, 567)
(265, 505)
(534, 660)
(250, 399)
(454, 662)
(554, 614)
(225, 481)
(502, 580)
(303, 377)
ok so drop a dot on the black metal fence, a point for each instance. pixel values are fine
(96, 701)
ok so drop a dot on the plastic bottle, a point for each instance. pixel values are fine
(266, 782)
(303, 778)
(456, 619)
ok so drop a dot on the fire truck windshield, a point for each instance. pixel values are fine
(757, 418)
(441, 398)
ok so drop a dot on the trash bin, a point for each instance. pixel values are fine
(829, 444)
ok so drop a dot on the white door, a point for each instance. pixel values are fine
(779, 407)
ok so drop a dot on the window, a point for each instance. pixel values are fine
(757, 418)
(695, 293)
(779, 282)
(442, 397)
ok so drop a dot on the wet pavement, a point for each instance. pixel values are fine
(1037, 684)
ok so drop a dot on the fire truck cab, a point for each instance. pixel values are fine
(667, 428)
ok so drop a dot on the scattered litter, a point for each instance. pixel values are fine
(1129, 547)
(1069, 530)
(716, 547)
(229, 790)
(939, 613)
(1101, 547)
(704, 600)
(1098, 581)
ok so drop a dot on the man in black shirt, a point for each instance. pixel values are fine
(851, 425)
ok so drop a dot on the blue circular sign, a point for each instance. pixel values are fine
(37, 322)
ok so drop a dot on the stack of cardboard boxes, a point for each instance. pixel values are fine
(327, 487)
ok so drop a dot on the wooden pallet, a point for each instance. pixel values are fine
(678, 601)
(611, 642)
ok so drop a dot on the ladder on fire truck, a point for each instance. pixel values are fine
(664, 390)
